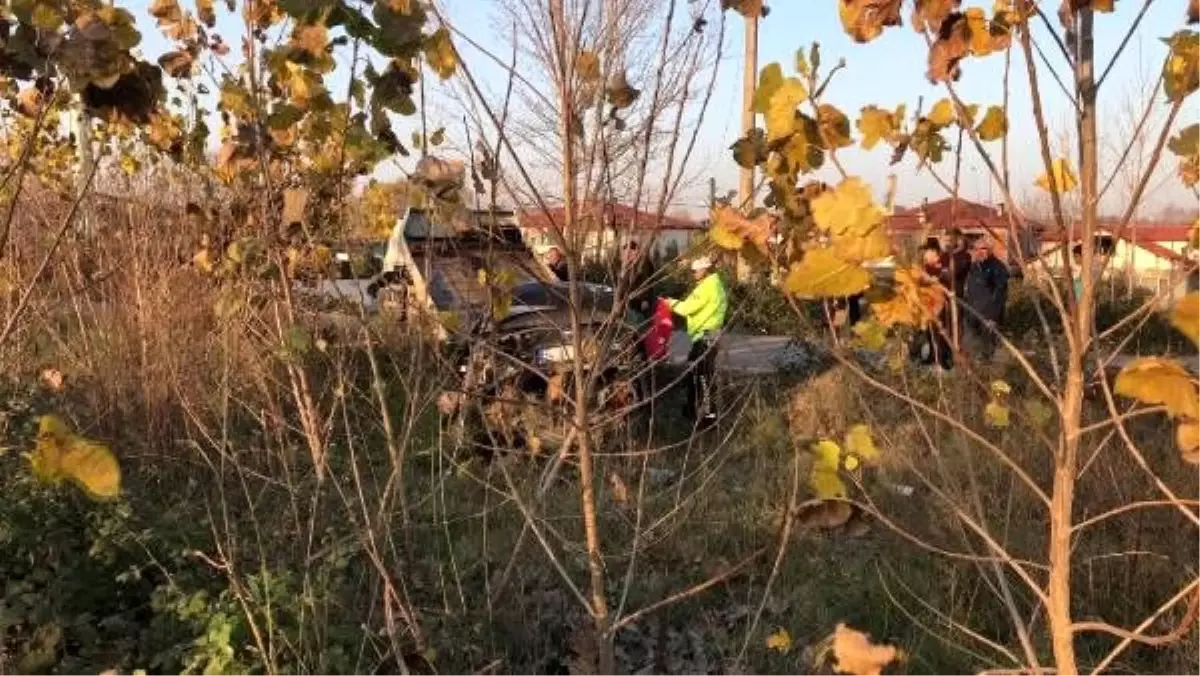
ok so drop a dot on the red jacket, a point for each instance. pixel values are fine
(658, 338)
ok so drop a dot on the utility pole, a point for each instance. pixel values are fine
(749, 80)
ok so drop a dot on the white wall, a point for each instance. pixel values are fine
(607, 243)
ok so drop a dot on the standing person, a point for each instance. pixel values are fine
(931, 347)
(640, 273)
(557, 262)
(956, 264)
(704, 309)
(985, 296)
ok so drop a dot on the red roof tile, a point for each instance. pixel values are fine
(946, 214)
(1140, 231)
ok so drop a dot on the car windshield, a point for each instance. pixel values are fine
(556, 295)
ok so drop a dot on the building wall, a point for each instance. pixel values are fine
(1126, 257)
(605, 243)
(1133, 264)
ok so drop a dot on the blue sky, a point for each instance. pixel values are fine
(888, 71)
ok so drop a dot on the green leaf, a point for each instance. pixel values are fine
(994, 124)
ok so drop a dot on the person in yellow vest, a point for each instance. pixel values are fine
(704, 309)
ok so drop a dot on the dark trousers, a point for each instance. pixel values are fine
(979, 340)
(702, 359)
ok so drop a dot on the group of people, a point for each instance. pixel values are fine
(704, 311)
(976, 286)
(974, 279)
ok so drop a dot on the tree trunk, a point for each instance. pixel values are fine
(587, 490)
(1062, 499)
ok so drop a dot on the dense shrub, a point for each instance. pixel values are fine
(1115, 302)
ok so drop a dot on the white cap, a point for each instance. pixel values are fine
(701, 263)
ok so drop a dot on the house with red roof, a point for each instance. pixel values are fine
(1154, 255)
(602, 228)
(1016, 237)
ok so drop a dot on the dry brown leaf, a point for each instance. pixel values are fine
(53, 379)
(864, 20)
(310, 38)
(177, 64)
(730, 229)
(294, 201)
(952, 44)
(554, 388)
(825, 514)
(928, 15)
(29, 101)
(620, 491)
(854, 653)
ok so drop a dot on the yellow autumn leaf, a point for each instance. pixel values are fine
(848, 209)
(1063, 177)
(203, 261)
(730, 229)
(1185, 316)
(1155, 380)
(823, 479)
(59, 454)
(1187, 437)
(821, 274)
(870, 335)
(979, 27)
(781, 111)
(859, 444)
(994, 124)
(942, 113)
(999, 388)
(854, 653)
(918, 300)
(440, 54)
(875, 124)
(781, 641)
(995, 414)
(870, 246)
(129, 164)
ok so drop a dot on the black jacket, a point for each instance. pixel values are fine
(987, 289)
(561, 271)
(641, 291)
(956, 267)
